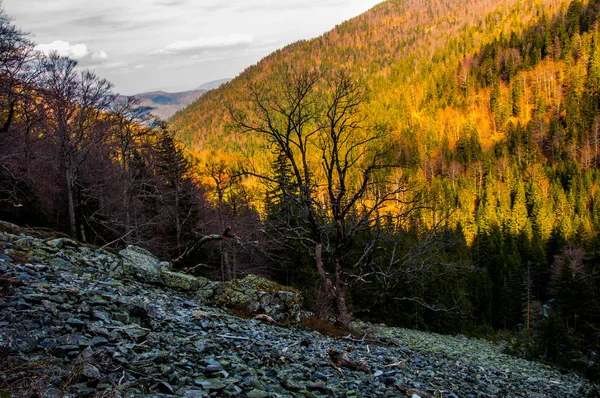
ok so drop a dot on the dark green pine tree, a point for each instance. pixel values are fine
(570, 286)
(593, 81)
(495, 100)
(142, 206)
(516, 93)
(283, 215)
(282, 196)
(178, 196)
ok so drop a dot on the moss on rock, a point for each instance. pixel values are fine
(179, 280)
(259, 295)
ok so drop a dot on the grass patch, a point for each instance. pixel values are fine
(326, 327)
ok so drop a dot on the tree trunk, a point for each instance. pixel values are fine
(126, 202)
(9, 118)
(71, 203)
(344, 314)
(328, 288)
(82, 234)
(339, 254)
(336, 294)
(177, 223)
(127, 207)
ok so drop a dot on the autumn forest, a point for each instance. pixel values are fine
(427, 164)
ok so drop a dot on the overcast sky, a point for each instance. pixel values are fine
(174, 45)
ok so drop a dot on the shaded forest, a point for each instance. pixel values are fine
(76, 158)
(427, 165)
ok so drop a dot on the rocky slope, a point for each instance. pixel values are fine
(79, 321)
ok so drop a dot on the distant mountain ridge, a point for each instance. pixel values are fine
(165, 104)
(214, 84)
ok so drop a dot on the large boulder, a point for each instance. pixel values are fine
(141, 264)
(261, 296)
(179, 280)
(206, 289)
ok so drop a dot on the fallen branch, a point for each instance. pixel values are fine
(116, 240)
(226, 336)
(349, 337)
(396, 364)
(124, 328)
(204, 239)
(121, 379)
(266, 318)
(339, 359)
(202, 314)
(364, 339)
(192, 270)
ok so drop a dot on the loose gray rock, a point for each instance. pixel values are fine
(74, 328)
(141, 264)
(91, 372)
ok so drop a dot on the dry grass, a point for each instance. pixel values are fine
(241, 310)
(23, 377)
(325, 327)
(27, 378)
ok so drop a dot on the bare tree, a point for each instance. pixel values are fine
(415, 262)
(18, 69)
(133, 128)
(314, 121)
(223, 179)
(18, 72)
(76, 111)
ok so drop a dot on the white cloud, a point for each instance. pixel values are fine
(191, 41)
(205, 43)
(64, 49)
(100, 56)
(113, 65)
(79, 52)
(290, 5)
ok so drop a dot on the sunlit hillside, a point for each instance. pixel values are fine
(447, 80)
(408, 52)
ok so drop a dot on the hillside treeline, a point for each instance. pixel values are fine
(521, 184)
(76, 158)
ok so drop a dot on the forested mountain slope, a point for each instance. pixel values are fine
(491, 109)
(405, 50)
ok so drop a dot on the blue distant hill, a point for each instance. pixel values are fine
(165, 104)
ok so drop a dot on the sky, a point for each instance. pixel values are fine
(174, 45)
